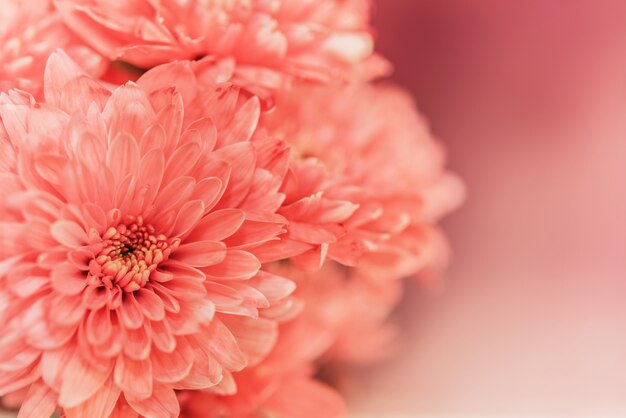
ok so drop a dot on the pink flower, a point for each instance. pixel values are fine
(265, 42)
(131, 222)
(29, 32)
(368, 183)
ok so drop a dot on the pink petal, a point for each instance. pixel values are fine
(123, 410)
(67, 279)
(69, 234)
(186, 322)
(90, 150)
(50, 167)
(279, 250)
(169, 302)
(153, 139)
(241, 157)
(80, 258)
(182, 161)
(60, 70)
(128, 110)
(209, 191)
(98, 326)
(15, 353)
(13, 381)
(238, 265)
(78, 94)
(170, 118)
(244, 122)
(255, 337)
(39, 402)
(252, 233)
(187, 218)
(161, 276)
(312, 260)
(227, 386)
(129, 312)
(42, 333)
(201, 253)
(273, 287)
(218, 225)
(205, 373)
(207, 133)
(221, 343)
(151, 305)
(134, 377)
(310, 233)
(123, 156)
(25, 280)
(177, 269)
(95, 297)
(163, 404)
(162, 336)
(173, 194)
(100, 405)
(136, 343)
(185, 288)
(67, 310)
(175, 366)
(151, 173)
(76, 369)
(177, 73)
(223, 296)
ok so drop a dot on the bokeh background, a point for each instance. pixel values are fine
(530, 98)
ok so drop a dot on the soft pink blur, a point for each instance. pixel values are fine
(530, 98)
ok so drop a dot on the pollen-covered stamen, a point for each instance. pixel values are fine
(128, 254)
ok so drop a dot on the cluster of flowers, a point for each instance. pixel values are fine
(204, 204)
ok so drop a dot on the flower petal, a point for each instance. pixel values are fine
(67, 279)
(218, 225)
(68, 233)
(75, 370)
(134, 377)
(237, 265)
(100, 405)
(162, 404)
(151, 305)
(174, 366)
(129, 312)
(201, 253)
(40, 402)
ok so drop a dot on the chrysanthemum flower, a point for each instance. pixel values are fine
(265, 42)
(344, 321)
(367, 178)
(130, 222)
(30, 30)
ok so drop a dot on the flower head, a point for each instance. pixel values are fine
(264, 42)
(29, 32)
(131, 222)
(367, 184)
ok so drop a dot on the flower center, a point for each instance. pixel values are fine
(128, 254)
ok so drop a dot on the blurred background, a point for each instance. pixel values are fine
(530, 98)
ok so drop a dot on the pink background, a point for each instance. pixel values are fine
(530, 98)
